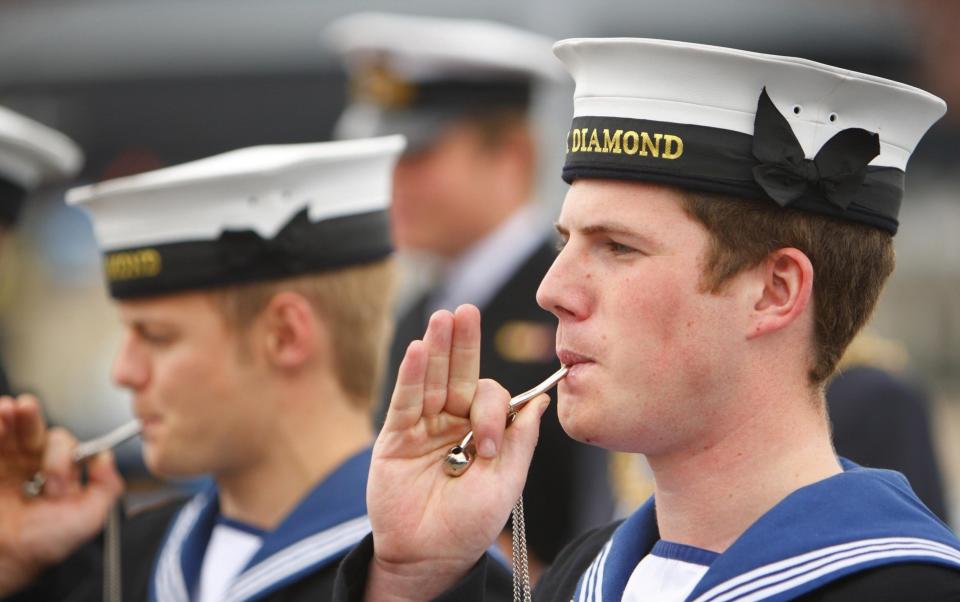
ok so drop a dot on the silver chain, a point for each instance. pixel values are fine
(521, 568)
(112, 586)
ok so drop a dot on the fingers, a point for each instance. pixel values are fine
(406, 404)
(438, 340)
(22, 428)
(488, 417)
(8, 431)
(63, 476)
(464, 360)
(103, 480)
(521, 438)
(30, 426)
(439, 373)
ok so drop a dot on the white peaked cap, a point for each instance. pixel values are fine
(31, 155)
(704, 89)
(415, 75)
(250, 214)
(425, 48)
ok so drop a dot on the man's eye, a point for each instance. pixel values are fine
(155, 337)
(560, 244)
(619, 249)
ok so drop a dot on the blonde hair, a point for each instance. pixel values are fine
(355, 304)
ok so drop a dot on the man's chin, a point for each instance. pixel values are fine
(162, 466)
(577, 426)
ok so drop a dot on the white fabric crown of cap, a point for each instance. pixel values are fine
(419, 48)
(803, 134)
(413, 75)
(251, 214)
(31, 154)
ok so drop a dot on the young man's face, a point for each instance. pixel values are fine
(442, 195)
(197, 394)
(650, 352)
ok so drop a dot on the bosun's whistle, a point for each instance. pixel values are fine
(460, 456)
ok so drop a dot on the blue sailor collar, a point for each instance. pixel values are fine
(324, 525)
(859, 519)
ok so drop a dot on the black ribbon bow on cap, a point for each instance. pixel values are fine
(836, 173)
(287, 250)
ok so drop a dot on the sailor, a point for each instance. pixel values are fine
(727, 232)
(254, 288)
(462, 92)
(32, 155)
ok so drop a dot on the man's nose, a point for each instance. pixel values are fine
(562, 291)
(130, 368)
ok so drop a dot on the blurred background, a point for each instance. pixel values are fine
(141, 84)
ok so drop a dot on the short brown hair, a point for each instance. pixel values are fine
(355, 304)
(851, 262)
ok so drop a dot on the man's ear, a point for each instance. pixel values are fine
(784, 287)
(292, 331)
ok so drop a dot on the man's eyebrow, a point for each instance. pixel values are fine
(608, 228)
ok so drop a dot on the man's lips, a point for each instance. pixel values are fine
(572, 358)
(148, 422)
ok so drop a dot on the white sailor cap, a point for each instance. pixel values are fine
(413, 75)
(31, 155)
(252, 214)
(802, 134)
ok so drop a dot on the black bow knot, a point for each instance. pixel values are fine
(836, 173)
(288, 249)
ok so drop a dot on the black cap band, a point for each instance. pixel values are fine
(469, 95)
(239, 256)
(838, 182)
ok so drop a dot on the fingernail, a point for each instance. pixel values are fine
(544, 404)
(487, 449)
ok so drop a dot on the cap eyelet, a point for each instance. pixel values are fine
(797, 109)
(833, 117)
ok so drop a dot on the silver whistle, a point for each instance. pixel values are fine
(86, 450)
(460, 456)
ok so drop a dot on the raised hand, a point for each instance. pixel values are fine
(38, 532)
(428, 528)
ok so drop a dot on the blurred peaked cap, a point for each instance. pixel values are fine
(31, 155)
(418, 48)
(252, 214)
(413, 75)
(799, 133)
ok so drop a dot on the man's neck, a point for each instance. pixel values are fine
(710, 493)
(307, 445)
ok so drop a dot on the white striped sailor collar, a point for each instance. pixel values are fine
(324, 525)
(859, 519)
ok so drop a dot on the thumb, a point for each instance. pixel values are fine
(521, 437)
(104, 484)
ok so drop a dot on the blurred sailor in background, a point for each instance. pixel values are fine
(31, 155)
(461, 91)
(255, 291)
